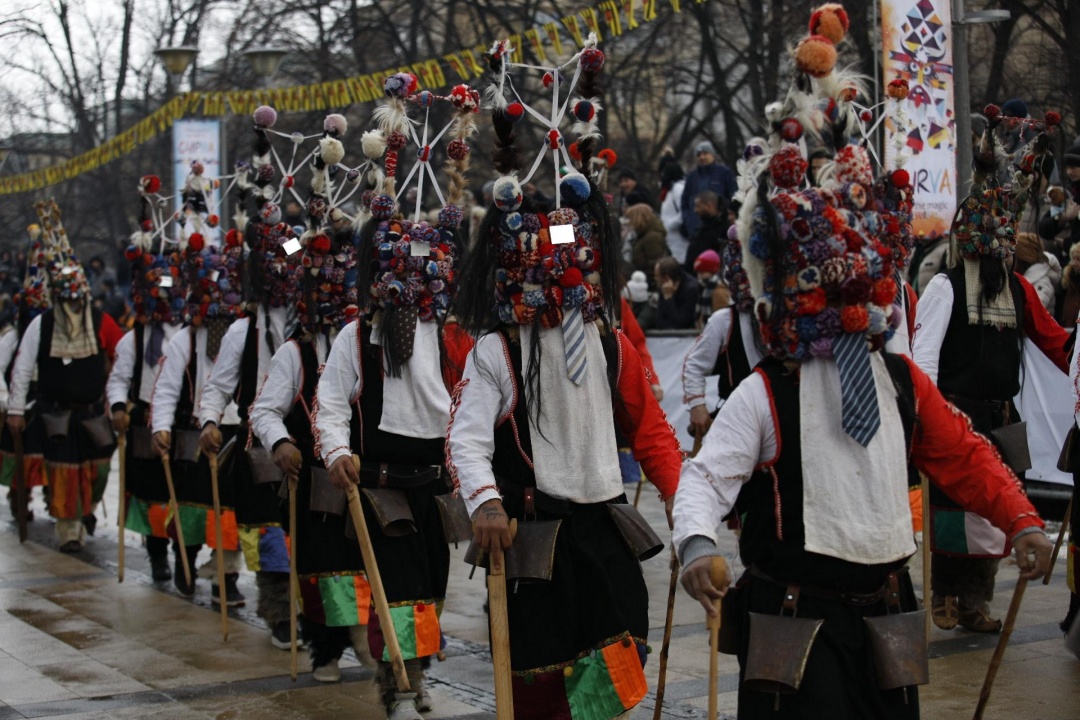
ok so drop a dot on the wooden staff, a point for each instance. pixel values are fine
(1057, 545)
(213, 458)
(640, 483)
(121, 446)
(22, 494)
(926, 563)
(378, 593)
(999, 652)
(293, 582)
(175, 509)
(717, 571)
(500, 632)
(661, 682)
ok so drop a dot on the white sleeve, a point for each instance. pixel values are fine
(119, 382)
(339, 383)
(482, 399)
(25, 362)
(275, 401)
(220, 386)
(170, 381)
(9, 343)
(741, 437)
(701, 359)
(931, 321)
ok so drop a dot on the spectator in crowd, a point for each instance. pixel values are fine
(712, 227)
(113, 303)
(649, 243)
(1038, 267)
(929, 259)
(818, 159)
(714, 295)
(677, 305)
(9, 285)
(294, 214)
(631, 192)
(709, 175)
(96, 275)
(672, 185)
(1070, 289)
(1065, 222)
(532, 192)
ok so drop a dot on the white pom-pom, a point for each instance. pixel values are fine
(332, 151)
(268, 192)
(373, 144)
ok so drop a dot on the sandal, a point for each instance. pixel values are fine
(945, 614)
(979, 620)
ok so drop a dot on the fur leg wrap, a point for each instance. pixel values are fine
(324, 643)
(273, 605)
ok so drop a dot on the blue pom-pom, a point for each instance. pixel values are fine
(534, 298)
(573, 296)
(511, 222)
(507, 193)
(425, 99)
(382, 207)
(450, 217)
(584, 111)
(574, 188)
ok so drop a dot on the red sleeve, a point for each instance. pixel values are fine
(457, 344)
(636, 335)
(1043, 330)
(109, 335)
(963, 463)
(643, 421)
(912, 305)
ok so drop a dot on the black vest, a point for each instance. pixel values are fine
(773, 535)
(981, 362)
(377, 446)
(298, 422)
(184, 417)
(79, 382)
(248, 386)
(732, 367)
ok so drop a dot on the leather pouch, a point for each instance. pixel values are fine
(531, 557)
(56, 424)
(898, 641)
(1069, 459)
(1012, 442)
(635, 530)
(186, 445)
(457, 526)
(326, 497)
(263, 467)
(99, 430)
(392, 511)
(779, 648)
(142, 443)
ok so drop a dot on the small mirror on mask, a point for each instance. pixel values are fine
(165, 281)
(418, 248)
(291, 246)
(561, 234)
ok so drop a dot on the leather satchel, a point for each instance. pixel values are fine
(1012, 442)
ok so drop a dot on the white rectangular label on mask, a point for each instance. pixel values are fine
(561, 234)
(418, 248)
(165, 281)
(214, 275)
(291, 246)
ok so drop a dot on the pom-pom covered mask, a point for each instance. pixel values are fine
(401, 279)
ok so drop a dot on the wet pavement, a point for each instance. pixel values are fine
(75, 643)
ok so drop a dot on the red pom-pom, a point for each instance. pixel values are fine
(132, 253)
(992, 112)
(866, 116)
(147, 225)
(575, 152)
(791, 130)
(1052, 119)
(554, 138)
(213, 220)
(515, 111)
(320, 244)
(830, 20)
(571, 277)
(548, 79)
(150, 183)
(884, 292)
(608, 155)
(854, 318)
(900, 178)
(196, 242)
(233, 238)
(148, 259)
(288, 181)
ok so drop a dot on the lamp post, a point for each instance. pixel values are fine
(176, 61)
(962, 88)
(265, 63)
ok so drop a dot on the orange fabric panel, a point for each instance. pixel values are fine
(428, 634)
(627, 676)
(230, 533)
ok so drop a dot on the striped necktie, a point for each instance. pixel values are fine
(573, 329)
(861, 416)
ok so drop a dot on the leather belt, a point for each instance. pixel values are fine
(834, 594)
(398, 476)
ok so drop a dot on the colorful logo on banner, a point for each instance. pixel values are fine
(918, 48)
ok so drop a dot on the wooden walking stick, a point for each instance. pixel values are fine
(22, 494)
(926, 525)
(293, 582)
(640, 483)
(500, 632)
(1057, 546)
(175, 509)
(661, 681)
(219, 540)
(717, 571)
(121, 519)
(378, 593)
(999, 652)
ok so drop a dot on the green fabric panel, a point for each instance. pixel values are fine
(138, 517)
(7, 470)
(405, 626)
(193, 520)
(590, 692)
(338, 595)
(950, 534)
(100, 479)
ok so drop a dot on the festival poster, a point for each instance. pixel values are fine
(917, 47)
(196, 140)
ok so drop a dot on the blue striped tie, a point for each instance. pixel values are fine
(573, 329)
(861, 416)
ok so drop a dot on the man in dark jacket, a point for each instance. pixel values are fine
(631, 192)
(708, 175)
(679, 293)
(1054, 223)
(711, 234)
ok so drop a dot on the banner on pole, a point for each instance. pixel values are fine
(917, 47)
(196, 140)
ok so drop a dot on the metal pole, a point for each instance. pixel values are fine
(961, 100)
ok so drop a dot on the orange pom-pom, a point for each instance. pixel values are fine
(830, 21)
(816, 56)
(854, 318)
(884, 292)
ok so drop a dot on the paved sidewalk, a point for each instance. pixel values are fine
(76, 644)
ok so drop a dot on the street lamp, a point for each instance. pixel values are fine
(962, 89)
(176, 60)
(265, 62)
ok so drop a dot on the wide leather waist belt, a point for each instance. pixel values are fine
(844, 596)
(398, 476)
